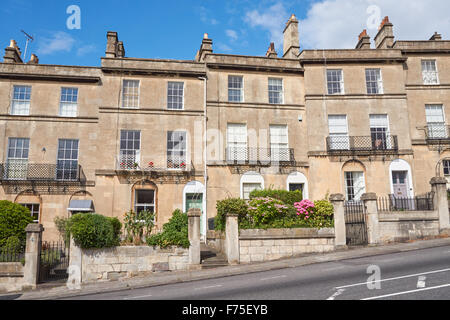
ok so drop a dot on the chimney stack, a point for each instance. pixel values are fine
(205, 48)
(436, 37)
(363, 40)
(34, 59)
(385, 37)
(291, 45)
(114, 47)
(12, 53)
(271, 53)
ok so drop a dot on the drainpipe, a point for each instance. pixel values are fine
(205, 173)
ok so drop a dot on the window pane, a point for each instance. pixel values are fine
(131, 94)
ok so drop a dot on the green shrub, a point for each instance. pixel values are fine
(94, 231)
(266, 210)
(287, 197)
(14, 243)
(229, 206)
(14, 218)
(62, 225)
(175, 232)
(136, 225)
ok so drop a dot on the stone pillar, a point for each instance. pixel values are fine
(232, 239)
(194, 236)
(337, 200)
(32, 255)
(439, 187)
(75, 266)
(373, 231)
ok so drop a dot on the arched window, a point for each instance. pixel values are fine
(298, 181)
(249, 182)
(354, 180)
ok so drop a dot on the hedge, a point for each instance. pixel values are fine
(14, 218)
(287, 197)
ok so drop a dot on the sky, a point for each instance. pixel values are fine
(174, 29)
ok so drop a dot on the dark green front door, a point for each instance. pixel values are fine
(195, 201)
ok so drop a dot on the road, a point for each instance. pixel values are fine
(414, 275)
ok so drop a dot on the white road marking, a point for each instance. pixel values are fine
(421, 282)
(216, 286)
(396, 278)
(277, 277)
(338, 293)
(139, 297)
(406, 292)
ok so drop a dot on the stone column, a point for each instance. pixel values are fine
(337, 200)
(373, 231)
(75, 266)
(439, 187)
(232, 239)
(32, 255)
(194, 236)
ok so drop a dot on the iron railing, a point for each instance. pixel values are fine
(437, 132)
(354, 144)
(16, 171)
(353, 206)
(396, 204)
(54, 261)
(130, 162)
(246, 155)
(12, 253)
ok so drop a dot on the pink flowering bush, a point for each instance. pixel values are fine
(265, 210)
(305, 208)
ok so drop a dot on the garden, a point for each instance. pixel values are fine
(275, 209)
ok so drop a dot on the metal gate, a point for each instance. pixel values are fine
(355, 223)
(54, 261)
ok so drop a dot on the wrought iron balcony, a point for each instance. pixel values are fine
(23, 171)
(437, 133)
(362, 144)
(261, 156)
(131, 162)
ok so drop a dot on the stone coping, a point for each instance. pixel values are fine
(298, 233)
(408, 216)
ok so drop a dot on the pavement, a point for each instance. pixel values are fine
(162, 279)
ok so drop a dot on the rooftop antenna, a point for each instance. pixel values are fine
(29, 39)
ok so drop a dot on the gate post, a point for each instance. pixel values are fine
(232, 239)
(32, 255)
(337, 200)
(75, 269)
(439, 187)
(194, 236)
(370, 204)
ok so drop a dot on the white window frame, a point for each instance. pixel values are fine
(251, 178)
(125, 96)
(427, 72)
(58, 159)
(356, 197)
(182, 97)
(33, 205)
(17, 167)
(274, 145)
(280, 93)
(340, 138)
(341, 84)
(242, 96)
(26, 102)
(441, 130)
(145, 205)
(374, 124)
(137, 157)
(235, 144)
(171, 153)
(66, 103)
(380, 89)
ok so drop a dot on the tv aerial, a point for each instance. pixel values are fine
(29, 39)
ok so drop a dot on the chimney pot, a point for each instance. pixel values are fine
(205, 36)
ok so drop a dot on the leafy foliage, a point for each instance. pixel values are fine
(62, 225)
(14, 218)
(287, 197)
(138, 225)
(266, 210)
(229, 206)
(94, 231)
(175, 232)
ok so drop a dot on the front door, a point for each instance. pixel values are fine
(195, 201)
(400, 183)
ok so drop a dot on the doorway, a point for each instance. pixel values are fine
(400, 183)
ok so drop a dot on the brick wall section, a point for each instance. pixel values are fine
(275, 244)
(404, 226)
(109, 264)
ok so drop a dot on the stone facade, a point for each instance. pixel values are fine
(278, 102)
(111, 264)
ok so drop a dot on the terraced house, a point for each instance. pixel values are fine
(151, 134)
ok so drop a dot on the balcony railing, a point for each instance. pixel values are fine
(131, 162)
(362, 144)
(437, 133)
(243, 155)
(23, 171)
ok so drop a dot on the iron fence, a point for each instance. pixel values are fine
(13, 253)
(437, 131)
(54, 261)
(375, 143)
(23, 171)
(130, 161)
(259, 155)
(396, 204)
(355, 223)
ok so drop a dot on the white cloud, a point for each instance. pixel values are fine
(83, 50)
(231, 34)
(337, 23)
(223, 47)
(59, 41)
(272, 19)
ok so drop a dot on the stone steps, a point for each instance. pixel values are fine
(211, 258)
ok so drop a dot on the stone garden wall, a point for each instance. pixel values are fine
(11, 277)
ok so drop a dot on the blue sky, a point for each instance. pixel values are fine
(174, 29)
